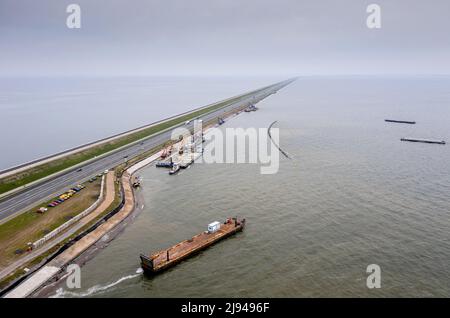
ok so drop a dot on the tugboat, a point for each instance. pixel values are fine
(252, 108)
(137, 182)
(175, 169)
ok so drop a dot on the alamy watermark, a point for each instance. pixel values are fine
(373, 20)
(73, 20)
(73, 276)
(231, 145)
(374, 278)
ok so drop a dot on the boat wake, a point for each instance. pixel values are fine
(97, 289)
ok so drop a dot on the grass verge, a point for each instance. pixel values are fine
(30, 226)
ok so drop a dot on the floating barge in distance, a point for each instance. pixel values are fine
(400, 121)
(164, 259)
(427, 141)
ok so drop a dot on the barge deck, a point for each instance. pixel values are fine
(164, 259)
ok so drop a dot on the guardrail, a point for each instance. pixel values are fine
(73, 220)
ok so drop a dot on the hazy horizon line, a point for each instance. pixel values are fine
(6, 76)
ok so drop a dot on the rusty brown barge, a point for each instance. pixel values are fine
(164, 259)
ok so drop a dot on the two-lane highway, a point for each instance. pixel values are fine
(41, 192)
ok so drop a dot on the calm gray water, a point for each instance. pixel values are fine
(353, 195)
(43, 116)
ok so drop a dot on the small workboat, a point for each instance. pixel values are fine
(175, 169)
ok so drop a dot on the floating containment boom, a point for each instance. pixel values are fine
(427, 141)
(400, 121)
(278, 147)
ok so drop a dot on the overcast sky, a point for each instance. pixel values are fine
(224, 37)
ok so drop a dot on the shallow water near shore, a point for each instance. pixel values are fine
(351, 196)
